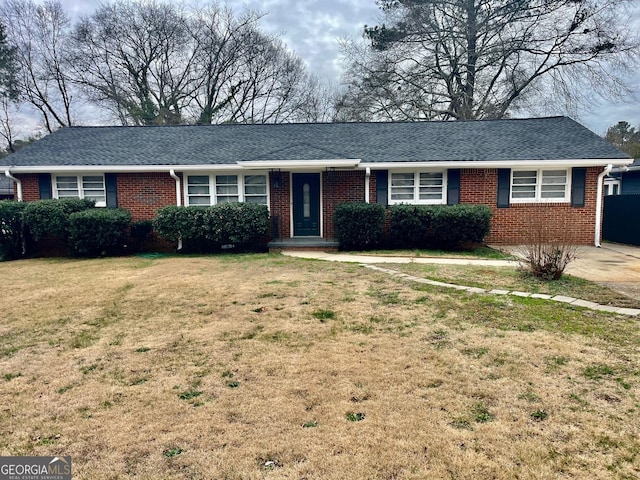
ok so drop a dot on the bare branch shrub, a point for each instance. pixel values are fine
(548, 251)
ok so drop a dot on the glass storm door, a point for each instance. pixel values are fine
(306, 204)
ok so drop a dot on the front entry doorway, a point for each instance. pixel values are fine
(306, 204)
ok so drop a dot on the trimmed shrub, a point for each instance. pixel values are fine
(455, 225)
(243, 225)
(11, 239)
(410, 226)
(174, 223)
(50, 218)
(98, 231)
(359, 226)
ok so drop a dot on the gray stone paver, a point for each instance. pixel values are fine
(542, 296)
(369, 261)
(563, 299)
(585, 304)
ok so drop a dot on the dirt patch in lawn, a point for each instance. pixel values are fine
(251, 367)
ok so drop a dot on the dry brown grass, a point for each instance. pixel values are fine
(246, 368)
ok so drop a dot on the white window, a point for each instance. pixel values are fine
(224, 188)
(417, 187)
(89, 187)
(539, 186)
(611, 187)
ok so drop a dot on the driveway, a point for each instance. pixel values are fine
(616, 266)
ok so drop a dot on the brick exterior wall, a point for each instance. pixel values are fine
(338, 187)
(144, 193)
(280, 208)
(30, 189)
(509, 226)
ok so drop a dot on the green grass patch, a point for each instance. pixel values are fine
(324, 314)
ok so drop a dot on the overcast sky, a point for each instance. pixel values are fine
(312, 28)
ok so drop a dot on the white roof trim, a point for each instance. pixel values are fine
(300, 164)
(319, 164)
(497, 164)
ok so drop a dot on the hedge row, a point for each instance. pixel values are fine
(74, 225)
(360, 226)
(244, 226)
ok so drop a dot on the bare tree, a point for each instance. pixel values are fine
(470, 59)
(39, 32)
(135, 58)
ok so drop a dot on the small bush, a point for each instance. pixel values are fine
(11, 239)
(97, 232)
(243, 225)
(410, 226)
(50, 218)
(180, 223)
(455, 225)
(359, 226)
(547, 254)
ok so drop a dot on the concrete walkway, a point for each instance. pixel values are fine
(373, 262)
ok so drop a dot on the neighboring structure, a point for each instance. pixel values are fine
(623, 180)
(531, 172)
(622, 205)
(6, 188)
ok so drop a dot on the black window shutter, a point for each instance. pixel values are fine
(44, 186)
(111, 186)
(382, 187)
(453, 186)
(504, 186)
(578, 186)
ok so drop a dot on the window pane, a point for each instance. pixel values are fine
(226, 180)
(554, 176)
(202, 200)
(554, 184)
(226, 188)
(67, 187)
(402, 179)
(226, 199)
(198, 190)
(523, 191)
(259, 199)
(525, 178)
(255, 189)
(198, 180)
(431, 186)
(402, 186)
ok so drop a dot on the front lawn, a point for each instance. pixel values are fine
(265, 366)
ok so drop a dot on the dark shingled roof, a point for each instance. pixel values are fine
(555, 138)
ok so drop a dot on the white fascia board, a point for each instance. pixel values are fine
(299, 164)
(119, 168)
(497, 164)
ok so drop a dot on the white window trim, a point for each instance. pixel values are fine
(416, 188)
(212, 185)
(54, 184)
(538, 186)
(609, 183)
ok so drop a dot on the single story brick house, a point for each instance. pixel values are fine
(550, 169)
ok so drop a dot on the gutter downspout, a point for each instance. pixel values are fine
(367, 176)
(604, 173)
(7, 174)
(172, 172)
